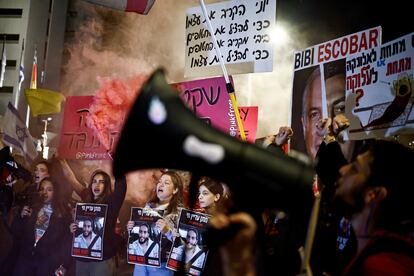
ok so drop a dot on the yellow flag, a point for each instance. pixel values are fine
(43, 101)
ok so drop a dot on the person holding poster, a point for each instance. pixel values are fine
(99, 191)
(42, 229)
(169, 200)
(144, 245)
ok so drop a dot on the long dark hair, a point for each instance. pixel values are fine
(107, 189)
(216, 188)
(177, 198)
(59, 203)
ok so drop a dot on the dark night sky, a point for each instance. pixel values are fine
(323, 20)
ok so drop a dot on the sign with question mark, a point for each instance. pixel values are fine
(379, 90)
(359, 92)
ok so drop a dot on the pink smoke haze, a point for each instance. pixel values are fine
(111, 104)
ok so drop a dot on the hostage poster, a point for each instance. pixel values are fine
(88, 238)
(189, 252)
(144, 242)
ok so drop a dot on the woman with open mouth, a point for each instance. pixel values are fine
(169, 200)
(41, 229)
(99, 191)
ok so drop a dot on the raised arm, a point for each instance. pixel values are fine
(117, 197)
(70, 176)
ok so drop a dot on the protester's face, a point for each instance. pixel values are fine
(98, 186)
(165, 188)
(313, 114)
(46, 191)
(352, 182)
(191, 239)
(41, 171)
(87, 228)
(143, 234)
(206, 198)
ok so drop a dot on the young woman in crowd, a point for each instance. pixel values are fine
(211, 196)
(30, 192)
(99, 191)
(41, 233)
(169, 199)
(41, 171)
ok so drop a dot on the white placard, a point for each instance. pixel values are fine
(379, 90)
(242, 29)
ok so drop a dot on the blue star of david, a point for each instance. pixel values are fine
(21, 133)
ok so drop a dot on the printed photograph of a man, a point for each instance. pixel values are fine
(144, 245)
(307, 107)
(88, 238)
(193, 252)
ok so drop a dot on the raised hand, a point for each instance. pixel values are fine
(283, 136)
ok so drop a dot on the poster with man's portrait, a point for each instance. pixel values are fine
(189, 252)
(319, 88)
(144, 242)
(88, 238)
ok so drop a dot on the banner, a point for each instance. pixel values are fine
(379, 90)
(188, 251)
(88, 239)
(209, 100)
(77, 141)
(16, 135)
(43, 101)
(319, 87)
(144, 242)
(242, 29)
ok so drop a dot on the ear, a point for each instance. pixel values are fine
(175, 191)
(217, 197)
(376, 194)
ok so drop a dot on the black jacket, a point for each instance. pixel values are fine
(53, 249)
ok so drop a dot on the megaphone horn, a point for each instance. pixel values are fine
(161, 132)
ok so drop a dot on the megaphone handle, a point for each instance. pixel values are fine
(310, 236)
